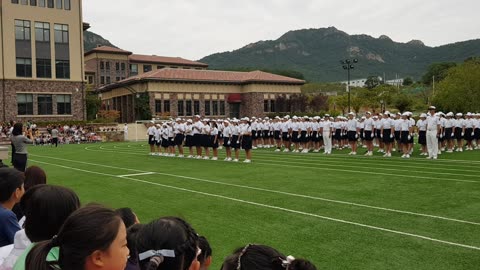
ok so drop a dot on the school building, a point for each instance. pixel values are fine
(41, 60)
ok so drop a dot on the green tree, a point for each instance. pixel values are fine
(460, 90)
(142, 107)
(372, 82)
(92, 104)
(407, 81)
(437, 70)
(402, 102)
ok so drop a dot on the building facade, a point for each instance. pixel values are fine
(209, 93)
(41, 60)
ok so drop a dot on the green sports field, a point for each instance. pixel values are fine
(340, 211)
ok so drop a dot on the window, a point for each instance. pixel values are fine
(117, 79)
(102, 80)
(90, 79)
(45, 104)
(222, 107)
(62, 69)
(123, 66)
(50, 3)
(44, 68)
(107, 80)
(272, 105)
(215, 107)
(166, 106)
(207, 107)
(59, 4)
(158, 106)
(107, 65)
(180, 107)
(265, 105)
(41, 3)
(117, 66)
(24, 67)
(33, 3)
(61, 33)
(133, 69)
(102, 65)
(160, 67)
(66, 4)
(42, 31)
(22, 30)
(14, 1)
(147, 68)
(196, 107)
(25, 104)
(188, 107)
(64, 104)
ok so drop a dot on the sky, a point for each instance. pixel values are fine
(193, 29)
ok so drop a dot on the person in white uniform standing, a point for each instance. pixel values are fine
(352, 132)
(433, 131)
(326, 130)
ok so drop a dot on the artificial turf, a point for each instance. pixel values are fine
(339, 211)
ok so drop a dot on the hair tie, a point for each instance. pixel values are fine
(239, 262)
(286, 263)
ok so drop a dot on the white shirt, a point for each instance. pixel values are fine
(432, 123)
(422, 125)
(388, 123)
(227, 132)
(179, 128)
(197, 128)
(369, 123)
(151, 130)
(405, 125)
(352, 125)
(188, 130)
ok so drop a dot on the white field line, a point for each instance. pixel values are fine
(319, 167)
(273, 191)
(273, 207)
(330, 159)
(136, 174)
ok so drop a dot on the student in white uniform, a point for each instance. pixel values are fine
(352, 132)
(378, 121)
(469, 133)
(227, 139)
(326, 129)
(151, 137)
(397, 122)
(286, 134)
(246, 133)
(189, 137)
(406, 133)
(125, 132)
(214, 140)
(422, 133)
(449, 135)
(369, 133)
(206, 141)
(236, 139)
(158, 139)
(388, 131)
(179, 133)
(433, 132)
(459, 131)
(277, 133)
(477, 130)
(197, 135)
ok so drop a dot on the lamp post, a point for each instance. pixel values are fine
(348, 65)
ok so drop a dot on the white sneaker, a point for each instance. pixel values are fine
(393, 150)
(254, 148)
(181, 156)
(407, 156)
(247, 161)
(198, 157)
(434, 157)
(206, 158)
(316, 151)
(428, 157)
(354, 153)
(404, 156)
(277, 150)
(226, 159)
(214, 158)
(235, 160)
(286, 150)
(190, 156)
(220, 147)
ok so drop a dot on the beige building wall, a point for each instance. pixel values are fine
(1, 41)
(72, 17)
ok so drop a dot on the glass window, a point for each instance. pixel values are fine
(147, 68)
(215, 107)
(50, 3)
(90, 79)
(45, 104)
(64, 104)
(102, 80)
(22, 30)
(222, 107)
(41, 3)
(188, 107)
(59, 4)
(207, 107)
(61, 33)
(196, 107)
(66, 4)
(24, 67)
(272, 105)
(25, 104)
(42, 31)
(44, 68)
(180, 108)
(117, 66)
(107, 65)
(33, 3)
(117, 79)
(14, 1)
(108, 80)
(133, 69)
(166, 106)
(265, 105)
(62, 69)
(102, 65)
(123, 66)
(158, 106)
(160, 67)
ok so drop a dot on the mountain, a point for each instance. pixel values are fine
(92, 40)
(317, 53)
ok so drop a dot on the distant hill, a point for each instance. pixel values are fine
(92, 40)
(317, 53)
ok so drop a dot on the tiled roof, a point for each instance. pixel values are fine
(108, 49)
(139, 58)
(206, 76)
(90, 66)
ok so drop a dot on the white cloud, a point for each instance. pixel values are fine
(193, 29)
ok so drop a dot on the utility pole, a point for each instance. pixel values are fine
(348, 65)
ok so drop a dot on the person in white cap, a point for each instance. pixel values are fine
(378, 122)
(459, 131)
(235, 142)
(327, 129)
(406, 134)
(214, 139)
(352, 132)
(206, 140)
(189, 137)
(227, 140)
(469, 133)
(197, 135)
(246, 138)
(477, 130)
(397, 122)
(151, 137)
(369, 131)
(277, 133)
(286, 133)
(158, 139)
(255, 131)
(387, 134)
(433, 133)
(422, 133)
(179, 133)
(449, 135)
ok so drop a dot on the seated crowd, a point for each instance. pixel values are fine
(56, 232)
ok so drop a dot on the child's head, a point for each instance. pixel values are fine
(168, 243)
(34, 176)
(46, 208)
(11, 185)
(205, 257)
(92, 237)
(128, 216)
(260, 257)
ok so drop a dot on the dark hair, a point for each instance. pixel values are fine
(168, 233)
(132, 234)
(10, 180)
(206, 249)
(46, 208)
(127, 216)
(34, 175)
(260, 257)
(17, 129)
(86, 230)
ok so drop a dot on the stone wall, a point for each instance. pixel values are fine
(12, 87)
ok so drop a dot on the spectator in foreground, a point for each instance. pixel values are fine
(128, 216)
(19, 147)
(132, 233)
(260, 257)
(33, 176)
(11, 192)
(205, 257)
(93, 237)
